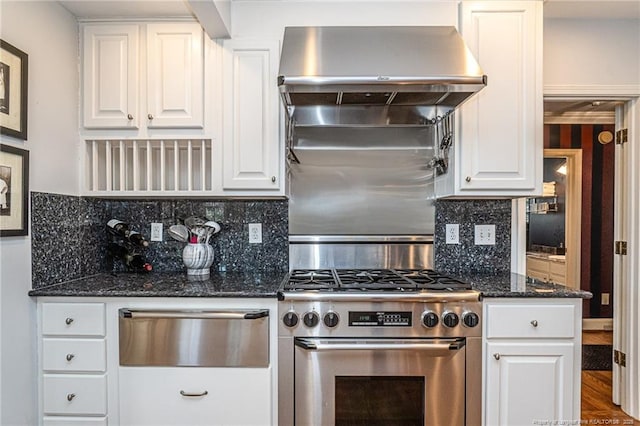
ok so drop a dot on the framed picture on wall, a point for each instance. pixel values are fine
(14, 191)
(13, 91)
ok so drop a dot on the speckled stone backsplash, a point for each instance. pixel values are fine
(467, 257)
(69, 237)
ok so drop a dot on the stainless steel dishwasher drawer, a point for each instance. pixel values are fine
(233, 338)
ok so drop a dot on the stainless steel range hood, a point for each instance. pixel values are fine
(362, 76)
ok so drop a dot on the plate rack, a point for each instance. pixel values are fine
(148, 166)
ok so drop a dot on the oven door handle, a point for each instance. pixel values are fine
(248, 315)
(437, 348)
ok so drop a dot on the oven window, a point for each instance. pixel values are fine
(379, 401)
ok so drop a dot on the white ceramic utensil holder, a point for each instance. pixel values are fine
(197, 258)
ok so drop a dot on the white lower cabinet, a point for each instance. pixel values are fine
(532, 358)
(75, 394)
(195, 396)
(81, 381)
(73, 363)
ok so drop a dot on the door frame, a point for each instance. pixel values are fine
(572, 217)
(626, 383)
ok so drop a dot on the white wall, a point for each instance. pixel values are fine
(267, 18)
(48, 34)
(587, 52)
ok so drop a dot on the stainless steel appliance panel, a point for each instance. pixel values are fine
(362, 192)
(234, 338)
(438, 366)
(360, 255)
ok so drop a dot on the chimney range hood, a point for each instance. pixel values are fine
(375, 76)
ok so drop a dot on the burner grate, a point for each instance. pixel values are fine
(372, 280)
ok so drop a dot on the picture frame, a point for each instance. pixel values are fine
(14, 65)
(14, 191)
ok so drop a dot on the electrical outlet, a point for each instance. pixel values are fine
(255, 233)
(485, 235)
(453, 233)
(605, 298)
(156, 232)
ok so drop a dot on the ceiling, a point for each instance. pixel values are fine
(580, 112)
(585, 9)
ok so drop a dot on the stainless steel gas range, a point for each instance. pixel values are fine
(378, 347)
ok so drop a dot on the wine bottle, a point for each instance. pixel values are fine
(133, 261)
(118, 228)
(137, 238)
(123, 230)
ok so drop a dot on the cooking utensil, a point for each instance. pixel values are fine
(179, 233)
(193, 221)
(212, 228)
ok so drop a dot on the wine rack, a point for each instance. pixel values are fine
(148, 166)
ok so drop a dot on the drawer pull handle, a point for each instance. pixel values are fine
(273, 179)
(68, 321)
(193, 395)
(467, 179)
(70, 396)
(129, 117)
(534, 323)
(150, 116)
(496, 356)
(70, 357)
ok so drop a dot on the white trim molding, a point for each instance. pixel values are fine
(589, 91)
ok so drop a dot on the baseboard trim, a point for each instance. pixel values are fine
(597, 324)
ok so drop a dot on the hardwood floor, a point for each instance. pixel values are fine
(596, 407)
(597, 337)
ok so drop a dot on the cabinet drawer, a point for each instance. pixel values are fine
(85, 319)
(74, 421)
(536, 264)
(74, 394)
(73, 354)
(214, 396)
(530, 321)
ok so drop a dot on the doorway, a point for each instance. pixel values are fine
(588, 126)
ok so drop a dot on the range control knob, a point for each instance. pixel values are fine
(429, 319)
(470, 319)
(450, 319)
(290, 319)
(311, 319)
(331, 319)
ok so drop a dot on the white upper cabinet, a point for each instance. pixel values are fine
(251, 152)
(175, 92)
(110, 76)
(116, 96)
(498, 148)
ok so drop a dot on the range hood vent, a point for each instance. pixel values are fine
(399, 75)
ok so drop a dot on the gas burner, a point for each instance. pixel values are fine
(371, 280)
(311, 279)
(432, 280)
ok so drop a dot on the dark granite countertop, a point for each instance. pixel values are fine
(266, 284)
(168, 284)
(516, 285)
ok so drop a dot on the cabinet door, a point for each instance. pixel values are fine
(110, 76)
(500, 134)
(526, 382)
(250, 139)
(175, 76)
(195, 396)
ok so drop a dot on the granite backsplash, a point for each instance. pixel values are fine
(69, 238)
(467, 257)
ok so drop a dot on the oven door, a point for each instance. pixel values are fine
(386, 382)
